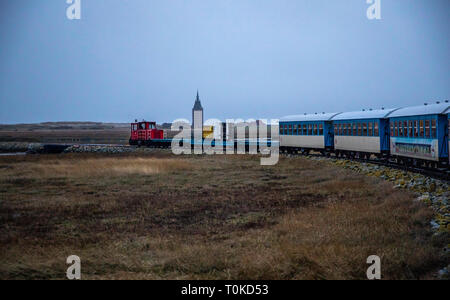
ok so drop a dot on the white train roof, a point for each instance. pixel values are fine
(309, 117)
(430, 109)
(365, 114)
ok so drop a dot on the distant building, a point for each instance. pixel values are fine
(197, 117)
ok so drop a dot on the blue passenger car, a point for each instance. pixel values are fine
(420, 133)
(362, 133)
(448, 133)
(307, 132)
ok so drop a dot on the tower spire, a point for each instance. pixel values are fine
(197, 104)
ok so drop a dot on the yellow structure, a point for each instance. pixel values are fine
(208, 132)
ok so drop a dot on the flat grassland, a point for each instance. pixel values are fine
(208, 217)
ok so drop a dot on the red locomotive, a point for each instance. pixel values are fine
(145, 133)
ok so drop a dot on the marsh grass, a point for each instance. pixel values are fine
(208, 217)
(61, 168)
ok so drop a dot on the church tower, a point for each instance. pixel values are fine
(197, 116)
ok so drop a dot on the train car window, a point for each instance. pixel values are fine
(395, 128)
(315, 129)
(335, 129)
(392, 128)
(411, 129)
(290, 130)
(427, 128)
(310, 129)
(405, 128)
(421, 129)
(354, 129)
(344, 129)
(376, 129)
(304, 130)
(364, 133)
(433, 129)
(281, 130)
(416, 128)
(340, 129)
(359, 129)
(370, 129)
(320, 129)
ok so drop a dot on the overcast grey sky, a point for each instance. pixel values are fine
(248, 58)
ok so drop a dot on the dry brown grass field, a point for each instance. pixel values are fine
(209, 217)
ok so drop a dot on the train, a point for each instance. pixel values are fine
(417, 135)
(411, 135)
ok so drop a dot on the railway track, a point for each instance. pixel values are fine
(441, 173)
